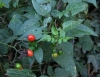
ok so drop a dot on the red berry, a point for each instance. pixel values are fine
(31, 37)
(30, 53)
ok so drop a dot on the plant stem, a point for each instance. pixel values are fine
(59, 4)
(8, 45)
(11, 47)
(40, 69)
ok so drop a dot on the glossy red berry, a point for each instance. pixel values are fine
(31, 37)
(30, 53)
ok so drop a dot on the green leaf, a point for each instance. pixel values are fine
(19, 73)
(37, 33)
(84, 72)
(82, 68)
(79, 66)
(15, 3)
(45, 38)
(46, 21)
(38, 55)
(70, 1)
(47, 49)
(6, 3)
(66, 60)
(49, 70)
(55, 13)
(70, 24)
(27, 9)
(2, 4)
(41, 9)
(24, 62)
(66, 38)
(6, 65)
(98, 75)
(42, 1)
(75, 8)
(4, 33)
(43, 76)
(94, 59)
(3, 48)
(10, 39)
(29, 25)
(31, 47)
(62, 33)
(31, 61)
(61, 72)
(60, 40)
(4, 40)
(82, 30)
(92, 1)
(15, 23)
(53, 4)
(86, 42)
(1, 37)
(87, 30)
(32, 15)
(54, 31)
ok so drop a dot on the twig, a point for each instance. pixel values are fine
(59, 4)
(11, 47)
(40, 69)
(88, 69)
(8, 45)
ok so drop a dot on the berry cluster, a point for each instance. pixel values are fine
(55, 53)
(31, 38)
